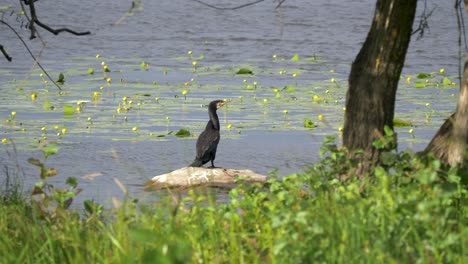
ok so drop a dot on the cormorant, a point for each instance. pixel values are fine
(208, 140)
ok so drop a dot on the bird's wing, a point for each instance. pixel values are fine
(207, 141)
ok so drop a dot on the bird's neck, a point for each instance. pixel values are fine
(214, 119)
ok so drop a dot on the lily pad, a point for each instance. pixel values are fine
(244, 71)
(68, 110)
(308, 123)
(295, 57)
(423, 75)
(401, 123)
(183, 133)
(420, 84)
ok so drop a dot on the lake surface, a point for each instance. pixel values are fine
(267, 111)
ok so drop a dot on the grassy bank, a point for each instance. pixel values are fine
(412, 211)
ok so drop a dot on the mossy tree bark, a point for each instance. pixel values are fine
(373, 81)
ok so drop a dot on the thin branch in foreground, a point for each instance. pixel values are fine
(5, 53)
(229, 8)
(280, 2)
(30, 53)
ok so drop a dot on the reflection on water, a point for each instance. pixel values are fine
(161, 34)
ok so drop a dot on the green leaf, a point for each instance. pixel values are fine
(418, 84)
(329, 140)
(295, 57)
(447, 81)
(401, 123)
(90, 71)
(72, 181)
(308, 123)
(61, 79)
(423, 75)
(183, 133)
(46, 105)
(378, 144)
(68, 110)
(388, 158)
(92, 208)
(50, 150)
(388, 131)
(278, 247)
(35, 162)
(244, 71)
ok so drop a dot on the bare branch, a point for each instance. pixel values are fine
(30, 53)
(230, 8)
(423, 21)
(280, 2)
(5, 53)
(35, 20)
(135, 5)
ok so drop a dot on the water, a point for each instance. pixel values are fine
(161, 33)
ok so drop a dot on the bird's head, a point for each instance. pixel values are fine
(216, 104)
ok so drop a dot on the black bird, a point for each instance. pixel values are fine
(208, 140)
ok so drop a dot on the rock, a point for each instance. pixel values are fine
(200, 176)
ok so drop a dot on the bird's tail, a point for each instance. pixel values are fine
(196, 163)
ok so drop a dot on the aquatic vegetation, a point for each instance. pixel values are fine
(400, 123)
(144, 65)
(61, 79)
(308, 123)
(68, 110)
(433, 79)
(183, 133)
(430, 112)
(244, 71)
(295, 57)
(412, 205)
(109, 106)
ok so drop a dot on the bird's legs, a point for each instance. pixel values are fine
(212, 164)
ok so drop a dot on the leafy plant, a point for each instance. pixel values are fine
(47, 198)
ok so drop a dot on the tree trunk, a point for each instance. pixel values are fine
(449, 144)
(439, 144)
(457, 152)
(373, 81)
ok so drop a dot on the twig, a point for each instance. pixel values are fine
(229, 8)
(423, 22)
(32, 55)
(5, 53)
(35, 20)
(280, 2)
(135, 4)
(461, 32)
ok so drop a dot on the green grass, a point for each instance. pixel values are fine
(411, 211)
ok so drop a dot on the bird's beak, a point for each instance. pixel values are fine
(221, 104)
